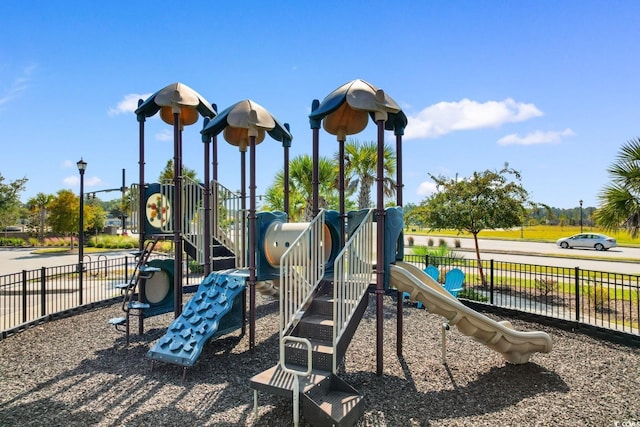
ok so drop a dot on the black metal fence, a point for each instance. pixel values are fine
(34, 296)
(598, 298)
(603, 299)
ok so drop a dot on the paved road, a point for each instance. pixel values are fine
(547, 254)
(14, 260)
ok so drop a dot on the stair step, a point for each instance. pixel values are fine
(117, 321)
(332, 402)
(137, 305)
(315, 326)
(320, 346)
(321, 354)
(280, 383)
(224, 263)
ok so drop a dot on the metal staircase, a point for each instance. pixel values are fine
(323, 312)
(133, 303)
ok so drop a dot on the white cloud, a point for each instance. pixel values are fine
(165, 135)
(446, 117)
(74, 181)
(537, 137)
(129, 104)
(426, 188)
(19, 85)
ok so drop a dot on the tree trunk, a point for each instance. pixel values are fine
(482, 279)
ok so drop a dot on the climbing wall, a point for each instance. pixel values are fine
(214, 310)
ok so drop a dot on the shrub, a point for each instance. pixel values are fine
(410, 241)
(195, 267)
(436, 253)
(442, 242)
(430, 242)
(598, 297)
(11, 241)
(457, 244)
(545, 285)
(472, 295)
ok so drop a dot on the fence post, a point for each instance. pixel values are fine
(426, 260)
(80, 276)
(491, 282)
(43, 291)
(24, 296)
(577, 279)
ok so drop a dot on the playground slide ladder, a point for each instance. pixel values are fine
(131, 301)
(310, 307)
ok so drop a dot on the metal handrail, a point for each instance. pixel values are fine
(353, 270)
(301, 270)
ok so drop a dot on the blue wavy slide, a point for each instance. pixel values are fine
(205, 316)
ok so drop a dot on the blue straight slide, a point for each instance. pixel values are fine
(201, 319)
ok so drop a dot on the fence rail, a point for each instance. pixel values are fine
(604, 299)
(33, 296)
(607, 300)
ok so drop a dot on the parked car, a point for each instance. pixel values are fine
(596, 241)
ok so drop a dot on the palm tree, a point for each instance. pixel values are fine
(39, 204)
(166, 176)
(301, 187)
(620, 200)
(361, 164)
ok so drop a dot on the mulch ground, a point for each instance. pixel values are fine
(76, 372)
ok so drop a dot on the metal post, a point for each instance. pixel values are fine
(82, 166)
(207, 202)
(252, 241)
(577, 283)
(177, 216)
(380, 267)
(581, 215)
(43, 291)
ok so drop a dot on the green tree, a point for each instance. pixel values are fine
(300, 188)
(166, 176)
(37, 206)
(361, 167)
(10, 200)
(486, 200)
(64, 213)
(94, 216)
(620, 200)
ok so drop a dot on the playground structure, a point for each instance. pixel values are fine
(322, 270)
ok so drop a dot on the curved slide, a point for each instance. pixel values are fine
(515, 346)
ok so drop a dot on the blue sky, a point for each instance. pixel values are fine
(550, 87)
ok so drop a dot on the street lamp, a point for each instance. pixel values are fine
(580, 215)
(82, 166)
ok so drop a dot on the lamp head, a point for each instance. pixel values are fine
(82, 165)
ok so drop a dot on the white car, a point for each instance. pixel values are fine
(596, 241)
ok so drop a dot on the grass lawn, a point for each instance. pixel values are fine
(536, 233)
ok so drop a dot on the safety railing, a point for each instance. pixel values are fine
(352, 274)
(228, 220)
(193, 215)
(301, 270)
(604, 299)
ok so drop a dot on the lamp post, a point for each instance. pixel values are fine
(580, 215)
(82, 166)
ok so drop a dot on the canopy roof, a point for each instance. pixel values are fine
(236, 120)
(344, 111)
(176, 97)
